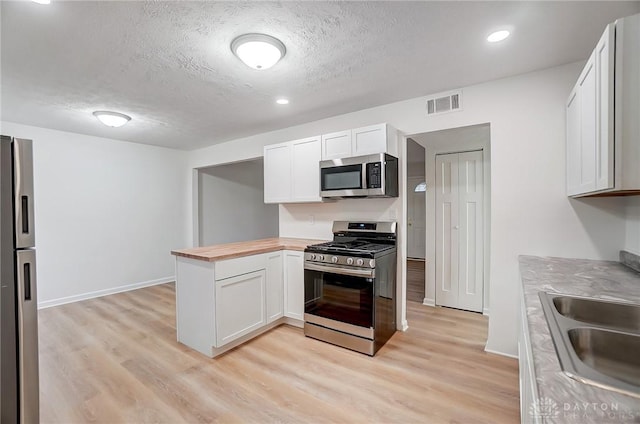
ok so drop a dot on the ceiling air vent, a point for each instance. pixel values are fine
(441, 104)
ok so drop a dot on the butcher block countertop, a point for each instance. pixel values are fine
(244, 248)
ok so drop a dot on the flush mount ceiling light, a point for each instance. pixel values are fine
(111, 119)
(282, 101)
(42, 1)
(494, 37)
(421, 187)
(258, 51)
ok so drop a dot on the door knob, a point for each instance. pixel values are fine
(456, 227)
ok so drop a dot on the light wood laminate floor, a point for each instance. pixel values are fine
(415, 280)
(115, 359)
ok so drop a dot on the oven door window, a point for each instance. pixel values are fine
(348, 177)
(339, 297)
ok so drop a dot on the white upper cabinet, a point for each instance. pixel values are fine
(582, 132)
(336, 145)
(306, 170)
(603, 129)
(380, 138)
(277, 173)
(292, 172)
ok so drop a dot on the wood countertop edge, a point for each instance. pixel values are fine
(285, 243)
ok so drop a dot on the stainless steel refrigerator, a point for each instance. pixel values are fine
(19, 394)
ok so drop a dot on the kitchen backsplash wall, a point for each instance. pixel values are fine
(632, 233)
(234, 194)
(314, 220)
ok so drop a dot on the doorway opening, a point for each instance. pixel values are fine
(457, 215)
(416, 221)
(230, 204)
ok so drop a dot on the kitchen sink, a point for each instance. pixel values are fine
(597, 341)
(611, 353)
(622, 316)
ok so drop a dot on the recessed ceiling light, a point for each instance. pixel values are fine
(111, 119)
(42, 1)
(258, 51)
(282, 101)
(494, 37)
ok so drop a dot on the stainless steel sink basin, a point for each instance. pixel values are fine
(622, 316)
(597, 341)
(611, 353)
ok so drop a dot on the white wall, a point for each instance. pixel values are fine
(107, 213)
(530, 211)
(632, 233)
(232, 204)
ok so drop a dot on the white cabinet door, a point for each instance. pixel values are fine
(604, 58)
(574, 165)
(369, 140)
(306, 171)
(590, 122)
(588, 129)
(277, 173)
(275, 287)
(294, 284)
(240, 306)
(336, 145)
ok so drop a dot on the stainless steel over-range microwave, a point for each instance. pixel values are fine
(360, 176)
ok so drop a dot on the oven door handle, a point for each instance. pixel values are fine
(333, 269)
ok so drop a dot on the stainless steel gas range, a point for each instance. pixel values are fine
(350, 286)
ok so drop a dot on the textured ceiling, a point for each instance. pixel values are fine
(169, 65)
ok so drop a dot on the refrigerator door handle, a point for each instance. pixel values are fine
(23, 170)
(27, 336)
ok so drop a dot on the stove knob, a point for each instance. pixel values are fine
(349, 261)
(321, 257)
(372, 263)
(313, 256)
(334, 259)
(359, 262)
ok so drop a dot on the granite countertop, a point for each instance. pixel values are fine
(244, 248)
(575, 402)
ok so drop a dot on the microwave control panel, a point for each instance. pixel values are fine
(374, 175)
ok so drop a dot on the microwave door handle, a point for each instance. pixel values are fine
(363, 183)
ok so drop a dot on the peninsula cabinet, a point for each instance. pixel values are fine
(294, 284)
(380, 138)
(221, 304)
(239, 306)
(292, 172)
(602, 128)
(527, 378)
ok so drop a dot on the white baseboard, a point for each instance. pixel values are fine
(429, 302)
(501, 353)
(105, 292)
(485, 311)
(405, 325)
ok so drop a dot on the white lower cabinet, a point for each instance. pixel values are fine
(239, 306)
(221, 304)
(294, 284)
(275, 287)
(528, 386)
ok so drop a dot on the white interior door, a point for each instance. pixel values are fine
(459, 230)
(417, 217)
